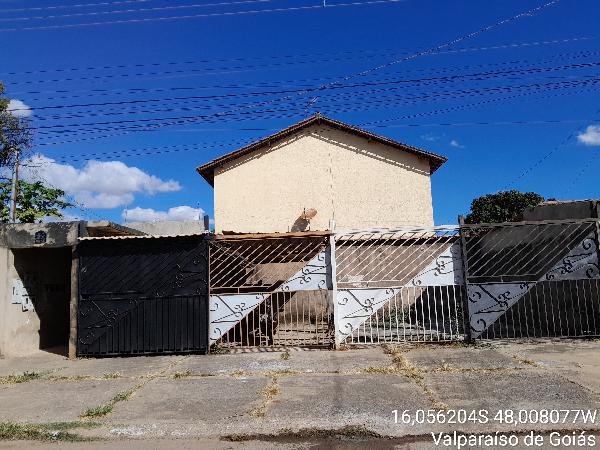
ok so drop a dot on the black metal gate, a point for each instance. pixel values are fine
(142, 295)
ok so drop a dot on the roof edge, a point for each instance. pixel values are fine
(207, 170)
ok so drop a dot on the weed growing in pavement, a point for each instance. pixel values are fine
(103, 410)
(69, 377)
(22, 378)
(185, 374)
(377, 369)
(267, 394)
(414, 373)
(285, 355)
(110, 376)
(98, 411)
(218, 349)
(282, 372)
(523, 360)
(122, 396)
(11, 431)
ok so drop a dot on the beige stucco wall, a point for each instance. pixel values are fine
(18, 328)
(358, 183)
(22, 333)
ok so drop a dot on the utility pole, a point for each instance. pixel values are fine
(14, 188)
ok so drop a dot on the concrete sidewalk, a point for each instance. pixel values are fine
(268, 395)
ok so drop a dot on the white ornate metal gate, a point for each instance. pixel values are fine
(536, 279)
(421, 284)
(270, 291)
(397, 285)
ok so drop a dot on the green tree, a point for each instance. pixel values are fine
(502, 207)
(34, 202)
(15, 132)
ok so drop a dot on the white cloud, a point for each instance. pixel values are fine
(429, 137)
(591, 135)
(19, 108)
(178, 213)
(98, 184)
(66, 217)
(456, 144)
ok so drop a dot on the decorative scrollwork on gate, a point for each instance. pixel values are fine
(580, 262)
(488, 302)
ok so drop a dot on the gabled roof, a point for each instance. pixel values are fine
(207, 170)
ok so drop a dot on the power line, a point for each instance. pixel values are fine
(287, 83)
(448, 44)
(334, 100)
(124, 131)
(547, 155)
(191, 147)
(380, 123)
(311, 56)
(415, 55)
(129, 11)
(233, 69)
(400, 83)
(187, 72)
(284, 113)
(289, 114)
(83, 5)
(346, 96)
(434, 49)
(151, 150)
(198, 16)
(582, 172)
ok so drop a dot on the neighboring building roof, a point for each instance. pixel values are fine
(564, 210)
(57, 234)
(560, 202)
(140, 236)
(207, 170)
(108, 228)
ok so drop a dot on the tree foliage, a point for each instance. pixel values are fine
(502, 207)
(34, 202)
(15, 132)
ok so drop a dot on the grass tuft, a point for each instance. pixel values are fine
(525, 361)
(111, 376)
(413, 372)
(285, 355)
(98, 411)
(22, 378)
(69, 377)
(218, 349)
(282, 372)
(122, 396)
(185, 374)
(377, 369)
(267, 395)
(10, 431)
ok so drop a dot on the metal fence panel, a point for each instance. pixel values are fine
(142, 296)
(532, 279)
(271, 291)
(398, 285)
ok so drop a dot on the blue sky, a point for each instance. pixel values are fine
(513, 107)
